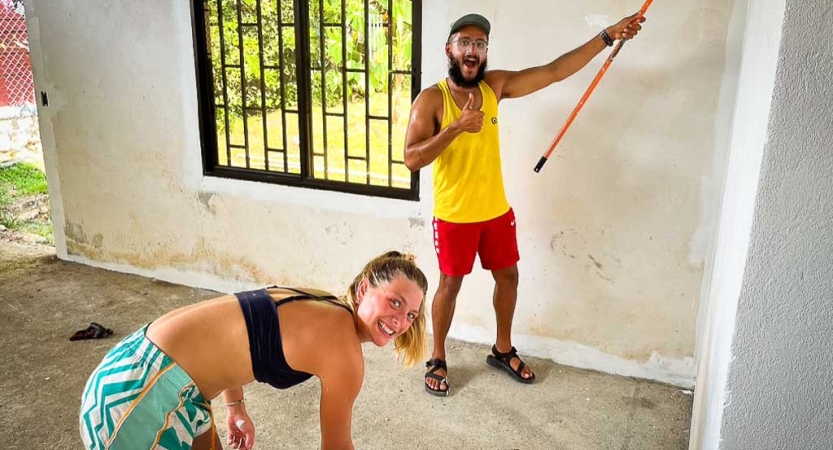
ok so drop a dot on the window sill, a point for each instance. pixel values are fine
(315, 198)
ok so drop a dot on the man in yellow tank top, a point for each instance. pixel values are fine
(454, 124)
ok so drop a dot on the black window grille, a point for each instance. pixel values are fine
(312, 93)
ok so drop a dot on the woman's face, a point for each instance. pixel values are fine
(387, 311)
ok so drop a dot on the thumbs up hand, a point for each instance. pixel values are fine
(471, 121)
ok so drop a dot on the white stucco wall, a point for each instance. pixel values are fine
(779, 393)
(613, 232)
(756, 37)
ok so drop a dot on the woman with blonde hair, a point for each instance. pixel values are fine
(153, 389)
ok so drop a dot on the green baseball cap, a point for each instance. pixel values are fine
(470, 19)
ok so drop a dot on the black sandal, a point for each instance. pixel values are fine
(502, 361)
(433, 366)
(94, 331)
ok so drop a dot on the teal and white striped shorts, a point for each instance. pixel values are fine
(139, 398)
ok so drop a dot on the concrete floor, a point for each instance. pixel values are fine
(43, 300)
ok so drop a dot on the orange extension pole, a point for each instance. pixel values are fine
(586, 95)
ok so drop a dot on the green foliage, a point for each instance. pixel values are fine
(42, 229)
(21, 180)
(9, 221)
(233, 44)
(18, 182)
(332, 50)
(4, 197)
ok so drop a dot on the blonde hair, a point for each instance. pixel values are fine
(410, 345)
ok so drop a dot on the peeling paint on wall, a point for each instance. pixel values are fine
(202, 258)
(340, 232)
(205, 199)
(75, 234)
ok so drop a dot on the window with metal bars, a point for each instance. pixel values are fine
(311, 93)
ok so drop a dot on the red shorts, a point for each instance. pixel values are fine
(494, 240)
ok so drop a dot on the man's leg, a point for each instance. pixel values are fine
(504, 299)
(456, 247)
(499, 254)
(442, 312)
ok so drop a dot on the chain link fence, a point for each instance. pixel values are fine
(19, 134)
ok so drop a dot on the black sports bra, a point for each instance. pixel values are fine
(261, 313)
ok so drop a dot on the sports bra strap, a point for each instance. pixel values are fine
(332, 299)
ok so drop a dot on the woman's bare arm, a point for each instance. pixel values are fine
(339, 390)
(339, 364)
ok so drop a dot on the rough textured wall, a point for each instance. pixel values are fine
(612, 233)
(780, 390)
(753, 48)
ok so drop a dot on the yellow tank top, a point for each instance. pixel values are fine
(468, 182)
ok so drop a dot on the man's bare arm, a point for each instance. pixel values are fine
(514, 84)
(423, 144)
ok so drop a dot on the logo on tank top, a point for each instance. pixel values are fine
(494, 120)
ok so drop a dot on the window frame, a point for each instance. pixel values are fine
(207, 111)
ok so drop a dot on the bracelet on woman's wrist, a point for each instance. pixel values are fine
(236, 402)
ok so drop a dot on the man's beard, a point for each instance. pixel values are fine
(457, 75)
